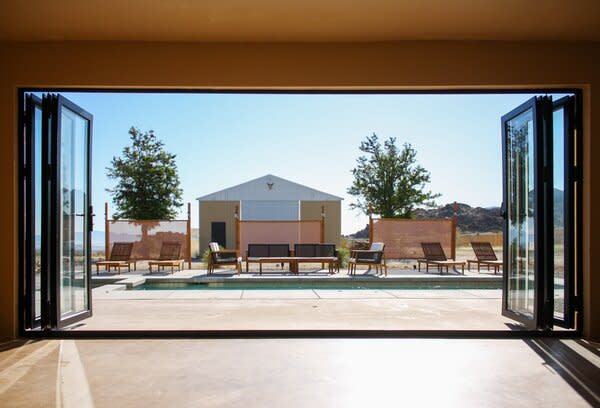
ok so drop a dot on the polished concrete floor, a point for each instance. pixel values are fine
(300, 373)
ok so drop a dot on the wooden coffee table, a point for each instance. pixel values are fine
(332, 261)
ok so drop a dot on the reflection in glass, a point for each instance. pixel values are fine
(521, 214)
(559, 207)
(37, 165)
(73, 207)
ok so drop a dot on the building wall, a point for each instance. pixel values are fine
(270, 210)
(387, 65)
(217, 211)
(311, 210)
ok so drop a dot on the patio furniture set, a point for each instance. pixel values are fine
(277, 254)
(120, 257)
(434, 256)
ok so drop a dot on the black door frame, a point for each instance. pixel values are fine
(325, 333)
(50, 259)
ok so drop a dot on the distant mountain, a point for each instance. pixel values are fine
(470, 219)
(474, 219)
(97, 240)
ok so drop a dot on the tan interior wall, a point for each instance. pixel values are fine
(311, 210)
(425, 65)
(215, 211)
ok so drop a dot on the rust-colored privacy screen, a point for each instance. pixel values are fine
(403, 238)
(148, 236)
(278, 232)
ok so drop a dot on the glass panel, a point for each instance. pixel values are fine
(73, 213)
(559, 211)
(37, 165)
(521, 214)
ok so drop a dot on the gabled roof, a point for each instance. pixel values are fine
(269, 187)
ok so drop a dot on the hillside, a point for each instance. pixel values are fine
(470, 219)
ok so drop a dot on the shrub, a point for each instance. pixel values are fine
(343, 255)
(206, 254)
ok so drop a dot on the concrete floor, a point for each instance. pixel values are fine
(300, 373)
(296, 309)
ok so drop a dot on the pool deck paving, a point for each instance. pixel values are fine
(117, 307)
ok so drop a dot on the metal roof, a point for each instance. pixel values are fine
(269, 187)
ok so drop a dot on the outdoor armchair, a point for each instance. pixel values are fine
(374, 256)
(219, 257)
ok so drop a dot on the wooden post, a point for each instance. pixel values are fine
(189, 235)
(106, 233)
(370, 224)
(453, 232)
(322, 224)
(237, 229)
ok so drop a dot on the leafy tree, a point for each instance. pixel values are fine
(390, 180)
(147, 180)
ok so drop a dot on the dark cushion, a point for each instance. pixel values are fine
(326, 250)
(305, 250)
(374, 257)
(258, 250)
(227, 259)
(279, 250)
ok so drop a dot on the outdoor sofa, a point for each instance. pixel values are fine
(267, 253)
(317, 253)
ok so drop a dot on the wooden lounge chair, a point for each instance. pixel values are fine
(374, 256)
(434, 255)
(169, 256)
(120, 256)
(485, 256)
(220, 257)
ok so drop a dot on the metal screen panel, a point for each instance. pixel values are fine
(148, 236)
(403, 237)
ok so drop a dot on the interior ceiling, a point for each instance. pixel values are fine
(299, 21)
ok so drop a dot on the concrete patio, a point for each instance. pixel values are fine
(404, 300)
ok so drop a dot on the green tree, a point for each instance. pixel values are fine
(390, 180)
(147, 181)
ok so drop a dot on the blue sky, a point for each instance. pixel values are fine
(225, 139)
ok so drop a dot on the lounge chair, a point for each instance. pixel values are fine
(120, 256)
(374, 256)
(434, 255)
(218, 257)
(485, 256)
(169, 256)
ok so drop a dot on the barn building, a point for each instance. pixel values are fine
(267, 198)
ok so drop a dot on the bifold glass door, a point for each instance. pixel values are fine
(58, 211)
(539, 249)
